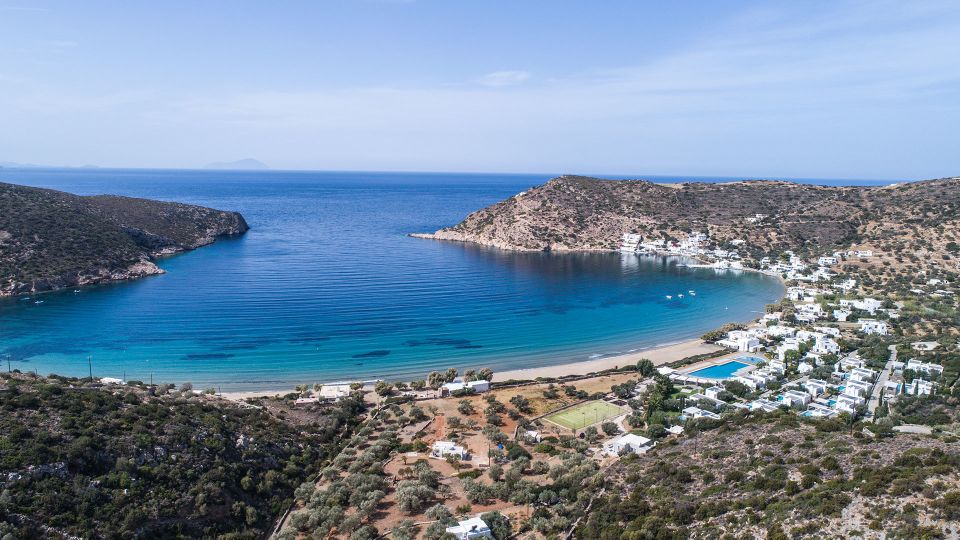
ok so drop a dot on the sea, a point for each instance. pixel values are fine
(327, 286)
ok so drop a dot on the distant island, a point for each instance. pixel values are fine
(51, 240)
(248, 164)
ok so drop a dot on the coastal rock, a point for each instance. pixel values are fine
(52, 240)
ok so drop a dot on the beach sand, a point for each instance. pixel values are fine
(657, 355)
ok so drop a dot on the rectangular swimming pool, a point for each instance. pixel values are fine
(719, 371)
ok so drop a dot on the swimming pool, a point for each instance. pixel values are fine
(720, 371)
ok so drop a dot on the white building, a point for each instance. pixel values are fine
(740, 340)
(847, 403)
(870, 305)
(827, 261)
(334, 392)
(442, 449)
(763, 404)
(692, 413)
(919, 387)
(841, 314)
(863, 374)
(857, 388)
(825, 345)
(873, 327)
(628, 442)
(630, 242)
(478, 386)
(470, 529)
(714, 392)
(795, 398)
(816, 387)
(925, 367)
(780, 331)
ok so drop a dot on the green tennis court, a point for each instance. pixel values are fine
(585, 414)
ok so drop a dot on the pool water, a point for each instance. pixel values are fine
(720, 371)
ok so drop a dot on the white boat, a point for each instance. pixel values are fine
(38, 302)
(669, 297)
(75, 291)
(680, 295)
(692, 293)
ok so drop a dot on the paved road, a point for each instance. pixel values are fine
(874, 401)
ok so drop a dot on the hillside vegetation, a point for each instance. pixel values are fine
(51, 239)
(138, 461)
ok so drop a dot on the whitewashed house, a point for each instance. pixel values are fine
(873, 327)
(919, 387)
(628, 442)
(442, 449)
(863, 374)
(924, 367)
(714, 392)
(841, 314)
(692, 413)
(740, 340)
(470, 529)
(794, 398)
(816, 387)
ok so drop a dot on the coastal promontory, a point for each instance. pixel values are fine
(51, 240)
(759, 218)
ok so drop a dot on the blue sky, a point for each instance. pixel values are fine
(807, 89)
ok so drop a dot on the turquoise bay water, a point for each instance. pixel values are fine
(326, 286)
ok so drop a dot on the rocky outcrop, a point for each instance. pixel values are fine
(51, 240)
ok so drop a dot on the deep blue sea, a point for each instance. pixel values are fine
(327, 286)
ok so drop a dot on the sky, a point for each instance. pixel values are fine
(814, 89)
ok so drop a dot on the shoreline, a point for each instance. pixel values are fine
(659, 355)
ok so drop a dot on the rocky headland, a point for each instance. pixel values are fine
(51, 240)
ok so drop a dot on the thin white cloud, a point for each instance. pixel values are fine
(846, 90)
(504, 78)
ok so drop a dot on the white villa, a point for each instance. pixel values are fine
(470, 529)
(334, 392)
(741, 340)
(863, 374)
(873, 327)
(796, 398)
(478, 386)
(714, 392)
(816, 387)
(926, 367)
(628, 442)
(692, 413)
(442, 449)
(919, 387)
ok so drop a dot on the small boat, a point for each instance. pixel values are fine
(669, 297)
(692, 293)
(38, 302)
(680, 295)
(76, 291)
(25, 299)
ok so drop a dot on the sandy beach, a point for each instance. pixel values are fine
(657, 355)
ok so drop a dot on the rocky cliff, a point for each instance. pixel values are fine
(50, 239)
